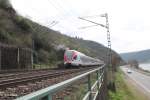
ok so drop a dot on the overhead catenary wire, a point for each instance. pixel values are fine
(61, 5)
(66, 16)
(58, 6)
(67, 12)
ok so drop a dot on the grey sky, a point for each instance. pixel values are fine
(129, 19)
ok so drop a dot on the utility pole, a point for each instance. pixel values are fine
(109, 53)
(111, 83)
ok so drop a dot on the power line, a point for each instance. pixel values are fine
(62, 11)
(53, 23)
(61, 5)
(58, 9)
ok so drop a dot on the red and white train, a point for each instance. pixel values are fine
(75, 58)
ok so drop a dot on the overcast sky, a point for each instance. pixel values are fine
(129, 20)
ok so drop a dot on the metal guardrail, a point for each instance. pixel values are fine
(49, 91)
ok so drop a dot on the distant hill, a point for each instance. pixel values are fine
(141, 56)
(48, 44)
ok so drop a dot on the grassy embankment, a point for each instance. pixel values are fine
(125, 90)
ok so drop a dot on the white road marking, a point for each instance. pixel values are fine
(141, 85)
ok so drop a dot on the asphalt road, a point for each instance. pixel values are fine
(140, 79)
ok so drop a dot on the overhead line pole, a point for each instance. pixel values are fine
(111, 83)
(108, 33)
(109, 53)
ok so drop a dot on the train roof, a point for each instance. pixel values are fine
(76, 51)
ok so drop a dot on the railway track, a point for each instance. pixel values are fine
(18, 86)
(8, 73)
(23, 78)
(30, 78)
(24, 70)
(13, 75)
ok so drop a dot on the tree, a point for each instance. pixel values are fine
(133, 63)
(5, 4)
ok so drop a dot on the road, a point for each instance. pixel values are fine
(143, 81)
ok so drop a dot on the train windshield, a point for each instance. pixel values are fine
(69, 54)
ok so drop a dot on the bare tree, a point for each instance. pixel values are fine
(133, 63)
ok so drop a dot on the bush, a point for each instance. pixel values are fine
(43, 56)
(52, 57)
(4, 36)
(22, 23)
(5, 4)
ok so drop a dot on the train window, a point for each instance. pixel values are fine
(75, 57)
(69, 55)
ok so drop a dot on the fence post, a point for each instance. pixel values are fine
(0, 59)
(97, 72)
(101, 74)
(32, 66)
(18, 58)
(89, 86)
(49, 97)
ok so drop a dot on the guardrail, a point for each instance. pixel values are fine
(49, 91)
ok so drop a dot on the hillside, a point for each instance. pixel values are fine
(141, 56)
(48, 45)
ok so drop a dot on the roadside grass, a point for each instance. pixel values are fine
(125, 90)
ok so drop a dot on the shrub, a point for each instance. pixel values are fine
(5, 4)
(43, 56)
(4, 36)
(22, 23)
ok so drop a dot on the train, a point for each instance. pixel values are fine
(76, 58)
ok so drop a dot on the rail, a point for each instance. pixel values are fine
(49, 91)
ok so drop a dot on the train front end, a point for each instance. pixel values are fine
(71, 58)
